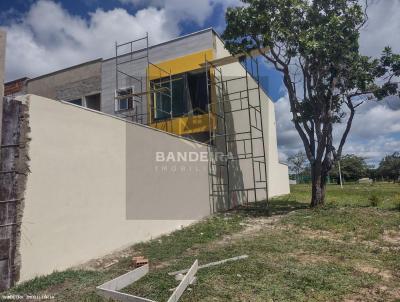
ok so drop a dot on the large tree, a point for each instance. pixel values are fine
(314, 44)
(352, 167)
(297, 163)
(389, 167)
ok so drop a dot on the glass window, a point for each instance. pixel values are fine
(162, 99)
(125, 103)
(93, 102)
(197, 83)
(189, 94)
(76, 102)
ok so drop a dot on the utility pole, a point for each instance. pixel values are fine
(340, 175)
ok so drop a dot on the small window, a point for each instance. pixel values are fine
(76, 102)
(93, 102)
(124, 103)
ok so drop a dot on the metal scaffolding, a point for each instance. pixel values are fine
(230, 146)
(132, 88)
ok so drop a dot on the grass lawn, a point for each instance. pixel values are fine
(348, 250)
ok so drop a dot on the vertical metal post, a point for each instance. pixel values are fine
(116, 101)
(171, 96)
(211, 147)
(262, 132)
(225, 141)
(147, 83)
(251, 136)
(208, 99)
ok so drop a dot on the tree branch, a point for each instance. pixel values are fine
(350, 105)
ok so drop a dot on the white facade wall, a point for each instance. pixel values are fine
(95, 186)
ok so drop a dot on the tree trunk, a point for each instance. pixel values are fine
(323, 188)
(318, 185)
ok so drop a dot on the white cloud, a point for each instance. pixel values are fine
(378, 120)
(374, 149)
(289, 141)
(382, 28)
(373, 133)
(49, 38)
(183, 10)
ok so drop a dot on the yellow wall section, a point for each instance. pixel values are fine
(181, 64)
(182, 125)
(185, 125)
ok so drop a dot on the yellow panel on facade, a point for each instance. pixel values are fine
(180, 65)
(181, 125)
(185, 125)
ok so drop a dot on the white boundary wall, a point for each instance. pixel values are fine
(81, 183)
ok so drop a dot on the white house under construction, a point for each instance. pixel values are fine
(124, 167)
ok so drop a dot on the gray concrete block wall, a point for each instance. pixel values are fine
(2, 61)
(75, 90)
(2, 71)
(159, 53)
(71, 83)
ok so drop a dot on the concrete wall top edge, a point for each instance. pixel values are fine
(152, 47)
(91, 62)
(30, 97)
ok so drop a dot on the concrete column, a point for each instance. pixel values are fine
(2, 64)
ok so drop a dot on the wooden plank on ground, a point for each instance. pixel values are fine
(126, 279)
(188, 279)
(122, 297)
(184, 271)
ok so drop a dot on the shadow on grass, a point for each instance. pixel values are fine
(273, 207)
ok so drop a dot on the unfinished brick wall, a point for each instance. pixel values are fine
(76, 90)
(13, 175)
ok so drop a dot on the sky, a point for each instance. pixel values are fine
(47, 35)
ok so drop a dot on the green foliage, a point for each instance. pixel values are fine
(397, 206)
(199, 233)
(374, 200)
(353, 168)
(322, 37)
(297, 162)
(353, 195)
(314, 44)
(389, 167)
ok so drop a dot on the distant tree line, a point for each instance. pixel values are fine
(353, 168)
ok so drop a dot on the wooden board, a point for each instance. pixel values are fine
(110, 289)
(188, 279)
(184, 271)
(126, 279)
